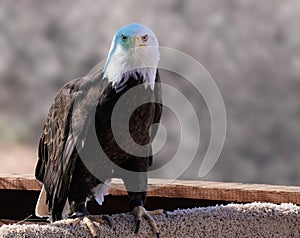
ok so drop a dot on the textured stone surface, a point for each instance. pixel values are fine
(234, 220)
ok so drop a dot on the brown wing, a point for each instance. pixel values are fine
(57, 143)
(63, 136)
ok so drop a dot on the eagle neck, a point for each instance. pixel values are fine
(124, 64)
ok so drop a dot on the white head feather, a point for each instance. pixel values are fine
(134, 50)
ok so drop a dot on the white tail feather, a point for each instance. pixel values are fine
(41, 208)
(101, 190)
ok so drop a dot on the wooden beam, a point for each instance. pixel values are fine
(18, 182)
(218, 191)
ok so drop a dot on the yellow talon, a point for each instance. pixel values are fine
(140, 211)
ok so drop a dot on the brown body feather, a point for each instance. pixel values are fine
(82, 106)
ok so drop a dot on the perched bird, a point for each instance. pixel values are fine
(71, 165)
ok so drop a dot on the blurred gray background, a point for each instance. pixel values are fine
(251, 48)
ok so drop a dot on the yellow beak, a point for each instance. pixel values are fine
(138, 42)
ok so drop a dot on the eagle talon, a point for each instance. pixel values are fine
(73, 222)
(137, 227)
(139, 212)
(107, 219)
(166, 213)
(88, 220)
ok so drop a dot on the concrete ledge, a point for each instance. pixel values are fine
(233, 220)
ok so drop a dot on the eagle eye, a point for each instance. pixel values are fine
(124, 38)
(145, 37)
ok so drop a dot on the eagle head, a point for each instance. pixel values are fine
(133, 52)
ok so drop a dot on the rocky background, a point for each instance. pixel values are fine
(251, 49)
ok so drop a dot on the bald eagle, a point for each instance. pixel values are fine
(84, 108)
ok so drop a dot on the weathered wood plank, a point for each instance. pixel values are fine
(219, 191)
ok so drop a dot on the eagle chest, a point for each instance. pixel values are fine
(135, 123)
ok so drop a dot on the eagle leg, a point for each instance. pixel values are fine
(78, 209)
(136, 185)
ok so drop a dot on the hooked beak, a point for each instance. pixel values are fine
(138, 42)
